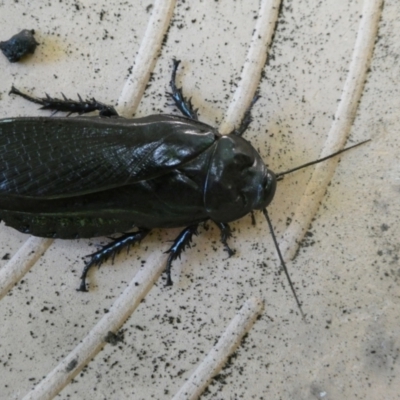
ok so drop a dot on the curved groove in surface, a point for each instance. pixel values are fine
(218, 355)
(21, 262)
(124, 306)
(144, 280)
(253, 65)
(339, 130)
(145, 60)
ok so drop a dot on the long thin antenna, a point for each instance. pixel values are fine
(280, 174)
(283, 262)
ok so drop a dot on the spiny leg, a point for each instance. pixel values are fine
(184, 105)
(226, 233)
(180, 244)
(246, 121)
(111, 250)
(68, 105)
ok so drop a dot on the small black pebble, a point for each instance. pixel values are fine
(71, 365)
(19, 45)
(114, 338)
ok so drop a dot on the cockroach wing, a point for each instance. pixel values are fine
(47, 158)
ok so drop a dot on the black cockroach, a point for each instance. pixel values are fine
(94, 176)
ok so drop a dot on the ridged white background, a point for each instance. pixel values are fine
(346, 271)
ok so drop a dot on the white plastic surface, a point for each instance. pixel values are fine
(331, 72)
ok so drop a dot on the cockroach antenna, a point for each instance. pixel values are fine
(279, 177)
(265, 212)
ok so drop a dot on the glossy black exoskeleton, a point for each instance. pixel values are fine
(95, 176)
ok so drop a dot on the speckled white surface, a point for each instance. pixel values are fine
(346, 272)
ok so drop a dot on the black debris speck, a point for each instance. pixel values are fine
(384, 227)
(114, 338)
(71, 365)
(19, 45)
